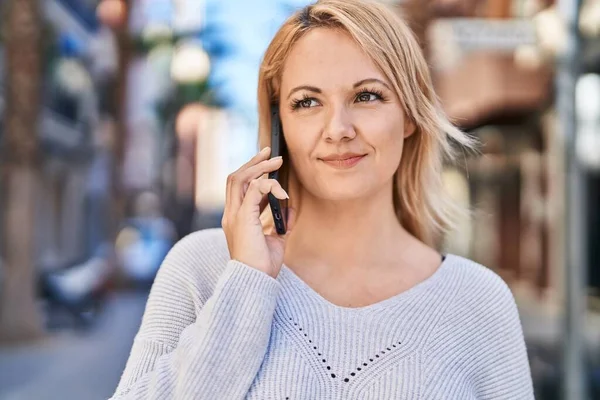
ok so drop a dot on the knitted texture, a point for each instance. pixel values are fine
(215, 328)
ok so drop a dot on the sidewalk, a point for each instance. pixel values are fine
(70, 366)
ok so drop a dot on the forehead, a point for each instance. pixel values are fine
(327, 58)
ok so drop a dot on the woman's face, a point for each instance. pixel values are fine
(343, 123)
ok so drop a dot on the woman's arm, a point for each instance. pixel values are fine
(195, 342)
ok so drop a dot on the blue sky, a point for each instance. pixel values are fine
(237, 32)
(245, 28)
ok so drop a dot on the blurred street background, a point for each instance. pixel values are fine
(121, 119)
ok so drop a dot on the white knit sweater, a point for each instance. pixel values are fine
(218, 329)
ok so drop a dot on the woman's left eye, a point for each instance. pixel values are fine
(365, 97)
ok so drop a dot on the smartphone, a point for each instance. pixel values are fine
(277, 149)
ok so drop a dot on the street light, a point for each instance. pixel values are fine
(190, 63)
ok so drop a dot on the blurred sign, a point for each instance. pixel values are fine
(485, 34)
(484, 68)
(453, 38)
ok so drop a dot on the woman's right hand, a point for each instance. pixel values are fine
(245, 197)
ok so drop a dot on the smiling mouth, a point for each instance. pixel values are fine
(344, 163)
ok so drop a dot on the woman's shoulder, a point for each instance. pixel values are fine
(184, 282)
(477, 284)
(201, 255)
(212, 239)
(482, 304)
(204, 243)
(480, 336)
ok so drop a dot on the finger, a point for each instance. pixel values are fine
(262, 155)
(257, 190)
(240, 184)
(230, 195)
(263, 204)
(258, 170)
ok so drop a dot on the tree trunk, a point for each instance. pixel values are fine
(20, 318)
(119, 95)
(119, 195)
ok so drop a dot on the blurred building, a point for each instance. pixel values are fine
(73, 140)
(493, 66)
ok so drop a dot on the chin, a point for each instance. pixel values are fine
(343, 191)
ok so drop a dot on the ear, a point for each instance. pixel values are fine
(409, 128)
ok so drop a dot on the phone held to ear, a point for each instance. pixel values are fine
(277, 143)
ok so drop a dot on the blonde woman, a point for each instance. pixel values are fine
(354, 301)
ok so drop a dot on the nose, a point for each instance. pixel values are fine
(339, 125)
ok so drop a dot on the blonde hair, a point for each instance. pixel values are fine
(421, 204)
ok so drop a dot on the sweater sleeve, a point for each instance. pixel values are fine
(195, 344)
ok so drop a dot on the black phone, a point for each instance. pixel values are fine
(277, 149)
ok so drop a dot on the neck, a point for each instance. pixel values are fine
(347, 235)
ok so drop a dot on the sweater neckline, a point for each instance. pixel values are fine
(309, 293)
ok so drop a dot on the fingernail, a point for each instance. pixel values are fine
(277, 158)
(286, 195)
(265, 150)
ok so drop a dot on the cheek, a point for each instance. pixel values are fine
(300, 149)
(391, 154)
(395, 146)
(301, 137)
(386, 137)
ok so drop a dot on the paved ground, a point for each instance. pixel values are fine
(71, 366)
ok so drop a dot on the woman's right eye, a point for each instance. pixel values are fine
(304, 103)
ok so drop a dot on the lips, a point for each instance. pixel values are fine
(343, 161)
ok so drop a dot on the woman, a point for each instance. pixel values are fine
(354, 302)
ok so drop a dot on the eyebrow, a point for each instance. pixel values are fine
(370, 80)
(317, 90)
(304, 87)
